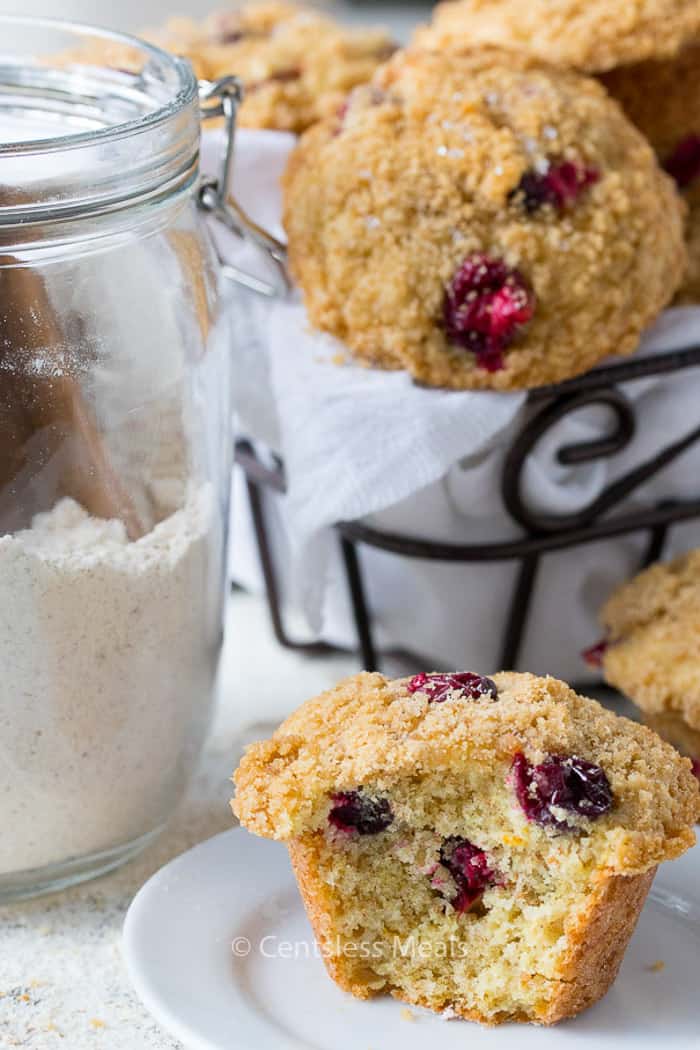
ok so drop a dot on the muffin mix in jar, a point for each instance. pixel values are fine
(114, 462)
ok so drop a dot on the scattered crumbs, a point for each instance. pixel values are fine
(408, 1015)
(657, 967)
(97, 1023)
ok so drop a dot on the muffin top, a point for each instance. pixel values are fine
(593, 35)
(653, 629)
(374, 732)
(482, 220)
(296, 65)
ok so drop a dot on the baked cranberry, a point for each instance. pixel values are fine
(440, 687)
(230, 36)
(356, 811)
(486, 305)
(226, 28)
(561, 782)
(385, 51)
(684, 163)
(471, 870)
(283, 76)
(561, 185)
(595, 655)
(695, 763)
(370, 97)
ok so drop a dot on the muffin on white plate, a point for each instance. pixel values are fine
(488, 843)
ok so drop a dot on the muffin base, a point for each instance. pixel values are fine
(596, 946)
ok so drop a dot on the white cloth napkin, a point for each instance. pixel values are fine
(365, 444)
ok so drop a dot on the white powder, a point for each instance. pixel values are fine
(108, 653)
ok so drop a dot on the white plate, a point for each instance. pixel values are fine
(236, 893)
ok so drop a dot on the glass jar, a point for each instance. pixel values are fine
(114, 450)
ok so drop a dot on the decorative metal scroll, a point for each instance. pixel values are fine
(605, 517)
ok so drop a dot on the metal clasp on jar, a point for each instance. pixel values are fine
(222, 98)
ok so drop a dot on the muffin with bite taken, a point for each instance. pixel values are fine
(488, 842)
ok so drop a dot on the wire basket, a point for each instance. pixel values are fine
(540, 533)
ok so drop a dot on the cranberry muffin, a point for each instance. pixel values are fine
(296, 65)
(592, 35)
(662, 97)
(507, 818)
(652, 647)
(482, 220)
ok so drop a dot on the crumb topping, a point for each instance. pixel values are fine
(374, 732)
(593, 35)
(428, 169)
(296, 64)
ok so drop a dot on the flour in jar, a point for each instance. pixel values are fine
(108, 653)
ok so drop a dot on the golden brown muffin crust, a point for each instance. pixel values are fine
(653, 626)
(596, 949)
(423, 172)
(296, 64)
(675, 729)
(662, 97)
(372, 730)
(544, 936)
(592, 35)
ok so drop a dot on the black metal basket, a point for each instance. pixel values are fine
(541, 533)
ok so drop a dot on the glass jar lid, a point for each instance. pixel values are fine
(91, 122)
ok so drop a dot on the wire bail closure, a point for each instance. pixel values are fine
(222, 98)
